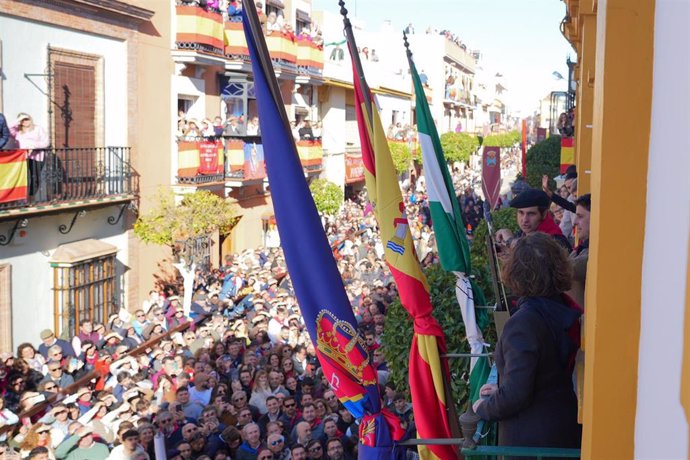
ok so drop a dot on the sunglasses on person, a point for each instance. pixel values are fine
(288, 405)
(54, 369)
(315, 449)
(265, 457)
(280, 440)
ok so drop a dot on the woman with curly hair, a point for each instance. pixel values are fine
(534, 401)
(37, 436)
(28, 353)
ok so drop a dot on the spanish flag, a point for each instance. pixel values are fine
(13, 175)
(567, 153)
(428, 343)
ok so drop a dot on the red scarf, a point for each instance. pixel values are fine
(549, 227)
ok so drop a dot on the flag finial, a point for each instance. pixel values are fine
(343, 12)
(407, 46)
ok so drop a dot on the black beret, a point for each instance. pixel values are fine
(531, 197)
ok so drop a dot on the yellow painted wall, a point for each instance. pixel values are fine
(585, 102)
(154, 113)
(620, 148)
(685, 376)
(211, 81)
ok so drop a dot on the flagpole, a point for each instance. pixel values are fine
(350, 37)
(264, 56)
(453, 419)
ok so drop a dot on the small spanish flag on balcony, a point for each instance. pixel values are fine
(567, 153)
(13, 175)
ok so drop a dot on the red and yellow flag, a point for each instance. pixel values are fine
(567, 153)
(426, 376)
(13, 175)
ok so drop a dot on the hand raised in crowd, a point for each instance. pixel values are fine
(503, 236)
(545, 185)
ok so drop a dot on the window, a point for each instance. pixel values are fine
(275, 6)
(238, 99)
(77, 92)
(84, 284)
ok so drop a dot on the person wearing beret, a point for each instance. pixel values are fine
(532, 216)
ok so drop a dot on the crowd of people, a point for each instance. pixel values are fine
(450, 36)
(235, 374)
(190, 129)
(243, 383)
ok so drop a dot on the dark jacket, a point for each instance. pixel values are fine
(535, 403)
(4, 131)
(67, 350)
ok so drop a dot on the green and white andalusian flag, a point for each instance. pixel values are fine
(451, 239)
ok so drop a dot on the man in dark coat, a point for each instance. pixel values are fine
(4, 132)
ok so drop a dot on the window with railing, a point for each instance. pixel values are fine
(84, 290)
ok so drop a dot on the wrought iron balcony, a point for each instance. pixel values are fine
(199, 29)
(209, 160)
(63, 175)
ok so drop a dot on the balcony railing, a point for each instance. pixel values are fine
(456, 93)
(199, 29)
(57, 175)
(209, 160)
(206, 31)
(309, 57)
(310, 155)
(200, 161)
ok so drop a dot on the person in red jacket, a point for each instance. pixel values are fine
(532, 216)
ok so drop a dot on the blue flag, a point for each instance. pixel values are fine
(317, 283)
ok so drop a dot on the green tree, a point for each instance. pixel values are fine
(328, 197)
(397, 338)
(544, 158)
(197, 214)
(458, 146)
(402, 155)
(502, 140)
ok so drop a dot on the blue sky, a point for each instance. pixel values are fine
(521, 39)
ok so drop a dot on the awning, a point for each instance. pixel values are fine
(72, 253)
(303, 16)
(277, 3)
